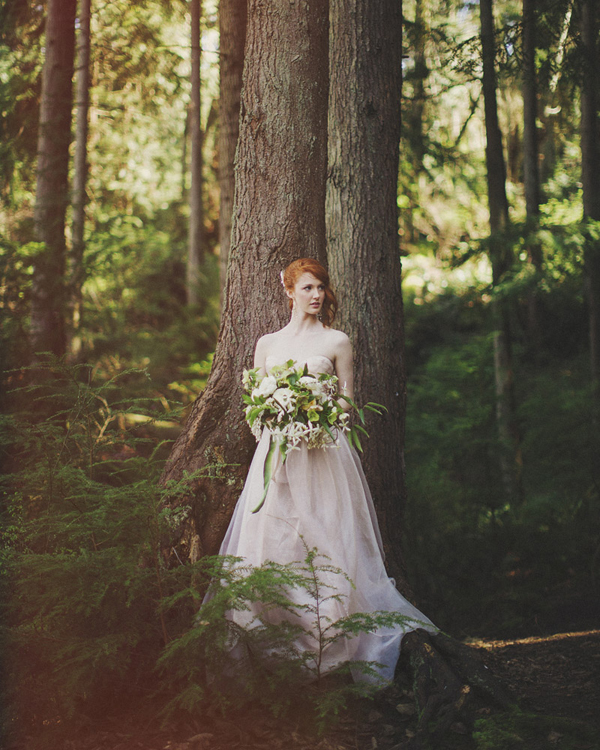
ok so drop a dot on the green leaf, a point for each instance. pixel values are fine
(328, 431)
(377, 408)
(268, 472)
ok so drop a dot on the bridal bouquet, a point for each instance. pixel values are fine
(295, 406)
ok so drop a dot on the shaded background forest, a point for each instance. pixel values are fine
(82, 503)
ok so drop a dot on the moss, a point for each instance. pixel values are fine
(526, 731)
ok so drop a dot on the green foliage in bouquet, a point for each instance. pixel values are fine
(294, 405)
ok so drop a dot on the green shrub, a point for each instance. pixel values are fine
(222, 660)
(95, 622)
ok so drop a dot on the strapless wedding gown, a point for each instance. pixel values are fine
(319, 499)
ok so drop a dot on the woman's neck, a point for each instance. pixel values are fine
(301, 324)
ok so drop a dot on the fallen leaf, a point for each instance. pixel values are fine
(406, 709)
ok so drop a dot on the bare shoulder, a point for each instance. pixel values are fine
(339, 340)
(263, 346)
(264, 341)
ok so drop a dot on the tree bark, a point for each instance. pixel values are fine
(362, 233)
(196, 228)
(232, 35)
(48, 293)
(279, 216)
(590, 158)
(509, 450)
(80, 169)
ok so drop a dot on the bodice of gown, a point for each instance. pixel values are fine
(317, 363)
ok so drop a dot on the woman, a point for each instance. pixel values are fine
(319, 497)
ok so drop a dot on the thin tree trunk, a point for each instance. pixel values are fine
(550, 110)
(530, 139)
(232, 25)
(494, 153)
(510, 457)
(196, 229)
(82, 103)
(279, 216)
(184, 156)
(531, 164)
(362, 233)
(590, 159)
(420, 75)
(48, 294)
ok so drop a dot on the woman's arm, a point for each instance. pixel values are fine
(344, 369)
(260, 354)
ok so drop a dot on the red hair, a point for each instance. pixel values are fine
(309, 265)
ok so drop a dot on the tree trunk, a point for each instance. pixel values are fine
(364, 261)
(590, 158)
(420, 75)
(279, 216)
(530, 139)
(232, 36)
(362, 233)
(530, 163)
(184, 156)
(196, 233)
(510, 458)
(82, 104)
(550, 110)
(494, 153)
(48, 293)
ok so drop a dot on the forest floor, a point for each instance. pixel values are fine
(555, 680)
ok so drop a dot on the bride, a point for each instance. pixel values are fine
(319, 498)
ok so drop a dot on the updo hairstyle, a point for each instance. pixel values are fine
(309, 265)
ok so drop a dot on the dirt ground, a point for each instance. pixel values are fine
(557, 676)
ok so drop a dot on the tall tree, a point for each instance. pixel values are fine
(232, 39)
(362, 233)
(531, 157)
(364, 260)
(279, 216)
(196, 229)
(500, 256)
(551, 110)
(48, 294)
(590, 158)
(530, 139)
(419, 76)
(80, 169)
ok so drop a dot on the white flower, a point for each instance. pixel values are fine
(268, 385)
(310, 382)
(285, 397)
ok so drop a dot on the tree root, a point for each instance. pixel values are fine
(450, 681)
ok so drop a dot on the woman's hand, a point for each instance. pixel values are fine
(344, 369)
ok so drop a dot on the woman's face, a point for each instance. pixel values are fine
(308, 294)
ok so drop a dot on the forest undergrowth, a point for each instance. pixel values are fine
(94, 620)
(92, 616)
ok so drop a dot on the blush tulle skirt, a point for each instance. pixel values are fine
(319, 499)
